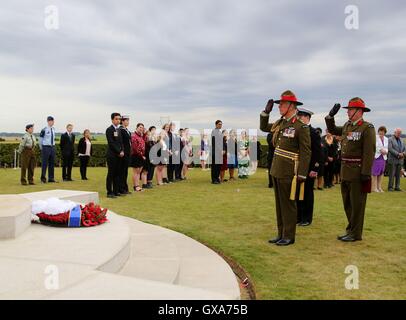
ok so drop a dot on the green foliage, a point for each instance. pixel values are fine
(98, 158)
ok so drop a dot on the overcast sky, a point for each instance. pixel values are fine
(197, 61)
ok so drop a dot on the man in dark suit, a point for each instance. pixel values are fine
(396, 156)
(305, 206)
(216, 152)
(115, 153)
(67, 151)
(174, 155)
(125, 161)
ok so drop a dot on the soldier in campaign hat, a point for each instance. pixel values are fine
(291, 138)
(358, 152)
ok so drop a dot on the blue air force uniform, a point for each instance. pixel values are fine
(48, 155)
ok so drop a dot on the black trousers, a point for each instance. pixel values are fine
(305, 207)
(67, 164)
(150, 172)
(113, 175)
(178, 170)
(328, 174)
(125, 163)
(215, 172)
(171, 169)
(84, 162)
(270, 180)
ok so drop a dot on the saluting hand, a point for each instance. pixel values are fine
(269, 106)
(334, 110)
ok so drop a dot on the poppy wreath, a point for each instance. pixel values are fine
(91, 215)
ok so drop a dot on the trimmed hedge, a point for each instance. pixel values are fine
(98, 159)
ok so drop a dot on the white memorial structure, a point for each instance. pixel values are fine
(121, 259)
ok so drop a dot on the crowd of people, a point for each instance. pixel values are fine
(300, 159)
(165, 154)
(230, 152)
(132, 149)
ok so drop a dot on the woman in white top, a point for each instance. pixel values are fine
(162, 157)
(85, 151)
(378, 167)
(187, 152)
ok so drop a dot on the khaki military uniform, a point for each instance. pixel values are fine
(357, 152)
(291, 138)
(28, 161)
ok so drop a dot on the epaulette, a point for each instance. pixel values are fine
(370, 125)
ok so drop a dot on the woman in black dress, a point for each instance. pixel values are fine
(85, 152)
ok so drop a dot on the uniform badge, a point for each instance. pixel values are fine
(289, 132)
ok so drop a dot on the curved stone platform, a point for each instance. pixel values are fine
(122, 259)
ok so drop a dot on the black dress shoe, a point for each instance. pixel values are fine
(304, 224)
(285, 242)
(119, 195)
(342, 236)
(111, 196)
(275, 240)
(349, 239)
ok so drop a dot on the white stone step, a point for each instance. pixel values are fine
(198, 266)
(103, 286)
(105, 247)
(15, 216)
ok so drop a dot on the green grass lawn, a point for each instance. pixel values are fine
(238, 218)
